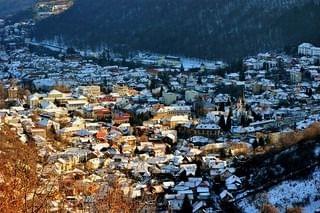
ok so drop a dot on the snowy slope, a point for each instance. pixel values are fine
(290, 193)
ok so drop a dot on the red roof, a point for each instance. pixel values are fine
(107, 99)
(102, 134)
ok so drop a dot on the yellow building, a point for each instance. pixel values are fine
(55, 94)
(13, 92)
(121, 90)
(90, 91)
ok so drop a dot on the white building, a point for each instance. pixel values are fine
(90, 91)
(295, 76)
(76, 104)
(191, 95)
(169, 98)
(309, 50)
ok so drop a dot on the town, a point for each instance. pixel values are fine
(170, 130)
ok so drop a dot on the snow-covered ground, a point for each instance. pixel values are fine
(317, 151)
(302, 193)
(189, 63)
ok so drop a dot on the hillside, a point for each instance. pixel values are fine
(10, 7)
(206, 28)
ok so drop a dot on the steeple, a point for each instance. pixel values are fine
(241, 101)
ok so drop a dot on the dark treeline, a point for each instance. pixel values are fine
(206, 28)
(10, 7)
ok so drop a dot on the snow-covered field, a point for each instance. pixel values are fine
(302, 193)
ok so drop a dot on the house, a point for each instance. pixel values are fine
(233, 183)
(175, 205)
(159, 149)
(121, 90)
(55, 94)
(63, 165)
(170, 61)
(39, 132)
(295, 76)
(191, 95)
(168, 184)
(121, 118)
(199, 140)
(190, 169)
(94, 163)
(308, 50)
(49, 124)
(89, 91)
(73, 105)
(226, 173)
(207, 130)
(169, 111)
(169, 98)
(178, 120)
(226, 196)
(34, 100)
(12, 92)
(101, 135)
(197, 206)
(101, 113)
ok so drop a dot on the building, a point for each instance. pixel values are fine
(55, 94)
(295, 76)
(34, 100)
(170, 111)
(169, 98)
(176, 120)
(90, 91)
(170, 61)
(75, 104)
(121, 90)
(207, 130)
(121, 118)
(190, 95)
(13, 92)
(308, 50)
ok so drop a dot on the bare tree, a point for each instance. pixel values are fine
(22, 188)
(114, 201)
(294, 210)
(267, 208)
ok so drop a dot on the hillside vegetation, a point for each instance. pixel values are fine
(206, 28)
(10, 7)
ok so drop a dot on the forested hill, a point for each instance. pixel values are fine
(200, 28)
(10, 7)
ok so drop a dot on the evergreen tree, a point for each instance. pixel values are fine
(238, 66)
(255, 144)
(261, 141)
(161, 92)
(71, 51)
(199, 81)
(181, 68)
(242, 76)
(223, 153)
(309, 92)
(229, 102)
(243, 120)
(222, 123)
(186, 205)
(153, 83)
(108, 56)
(199, 107)
(229, 123)
(221, 107)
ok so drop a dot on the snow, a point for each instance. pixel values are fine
(317, 151)
(287, 194)
(44, 83)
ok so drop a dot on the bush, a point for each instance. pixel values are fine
(267, 208)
